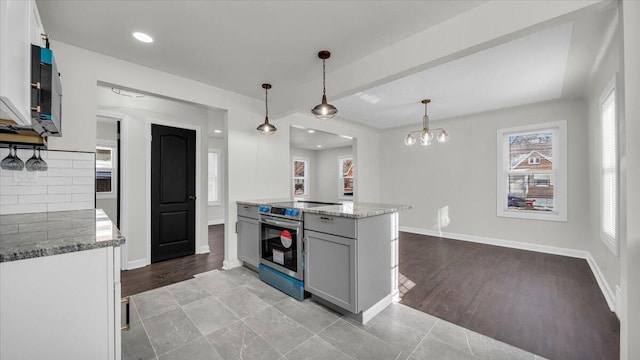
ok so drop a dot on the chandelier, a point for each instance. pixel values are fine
(426, 134)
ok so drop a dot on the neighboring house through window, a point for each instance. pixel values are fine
(106, 170)
(345, 182)
(214, 177)
(300, 177)
(532, 172)
(609, 168)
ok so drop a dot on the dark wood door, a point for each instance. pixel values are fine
(173, 189)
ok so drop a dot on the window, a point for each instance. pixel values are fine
(534, 160)
(300, 177)
(106, 170)
(532, 172)
(214, 177)
(609, 168)
(345, 182)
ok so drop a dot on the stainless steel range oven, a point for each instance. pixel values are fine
(281, 240)
(281, 246)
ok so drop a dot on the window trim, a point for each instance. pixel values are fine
(217, 202)
(559, 131)
(611, 242)
(306, 162)
(341, 178)
(113, 146)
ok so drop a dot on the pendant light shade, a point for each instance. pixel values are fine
(324, 111)
(266, 128)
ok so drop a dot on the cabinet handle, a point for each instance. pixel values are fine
(127, 300)
(326, 218)
(245, 207)
(236, 227)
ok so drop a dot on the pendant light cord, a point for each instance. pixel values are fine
(425, 119)
(266, 102)
(323, 77)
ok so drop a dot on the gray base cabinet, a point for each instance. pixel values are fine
(330, 271)
(348, 261)
(248, 231)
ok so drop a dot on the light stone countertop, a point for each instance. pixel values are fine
(349, 209)
(25, 236)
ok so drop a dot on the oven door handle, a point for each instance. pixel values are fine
(279, 223)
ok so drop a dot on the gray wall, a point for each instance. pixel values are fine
(461, 176)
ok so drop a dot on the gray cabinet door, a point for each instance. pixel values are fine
(248, 240)
(330, 268)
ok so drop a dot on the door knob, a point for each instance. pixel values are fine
(192, 197)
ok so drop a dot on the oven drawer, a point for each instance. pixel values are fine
(250, 211)
(329, 224)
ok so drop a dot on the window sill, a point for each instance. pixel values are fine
(214, 203)
(525, 215)
(106, 196)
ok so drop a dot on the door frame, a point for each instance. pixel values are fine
(123, 183)
(200, 247)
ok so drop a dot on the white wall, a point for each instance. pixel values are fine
(461, 176)
(107, 130)
(630, 192)
(312, 171)
(607, 262)
(257, 166)
(216, 212)
(139, 113)
(328, 172)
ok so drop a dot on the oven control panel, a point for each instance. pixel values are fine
(280, 211)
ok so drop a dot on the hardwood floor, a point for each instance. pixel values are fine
(546, 304)
(175, 270)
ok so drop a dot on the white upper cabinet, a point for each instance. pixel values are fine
(20, 26)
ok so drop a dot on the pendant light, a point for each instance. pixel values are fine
(426, 134)
(324, 111)
(266, 128)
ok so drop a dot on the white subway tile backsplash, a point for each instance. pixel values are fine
(23, 190)
(72, 189)
(71, 206)
(71, 172)
(38, 199)
(68, 155)
(21, 209)
(57, 164)
(83, 164)
(84, 180)
(68, 184)
(8, 199)
(83, 197)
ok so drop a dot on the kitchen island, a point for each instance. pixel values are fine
(350, 252)
(60, 286)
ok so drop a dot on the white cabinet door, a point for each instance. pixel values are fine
(249, 240)
(15, 60)
(60, 307)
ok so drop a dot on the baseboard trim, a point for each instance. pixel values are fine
(204, 249)
(136, 264)
(215, 222)
(230, 264)
(609, 296)
(500, 242)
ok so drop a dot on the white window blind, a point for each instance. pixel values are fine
(609, 176)
(214, 183)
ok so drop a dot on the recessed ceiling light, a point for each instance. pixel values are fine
(145, 38)
(217, 131)
(318, 146)
(311, 131)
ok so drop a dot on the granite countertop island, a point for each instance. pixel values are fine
(25, 236)
(349, 209)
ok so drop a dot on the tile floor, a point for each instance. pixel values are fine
(233, 315)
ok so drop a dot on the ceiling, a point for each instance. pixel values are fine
(309, 139)
(237, 45)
